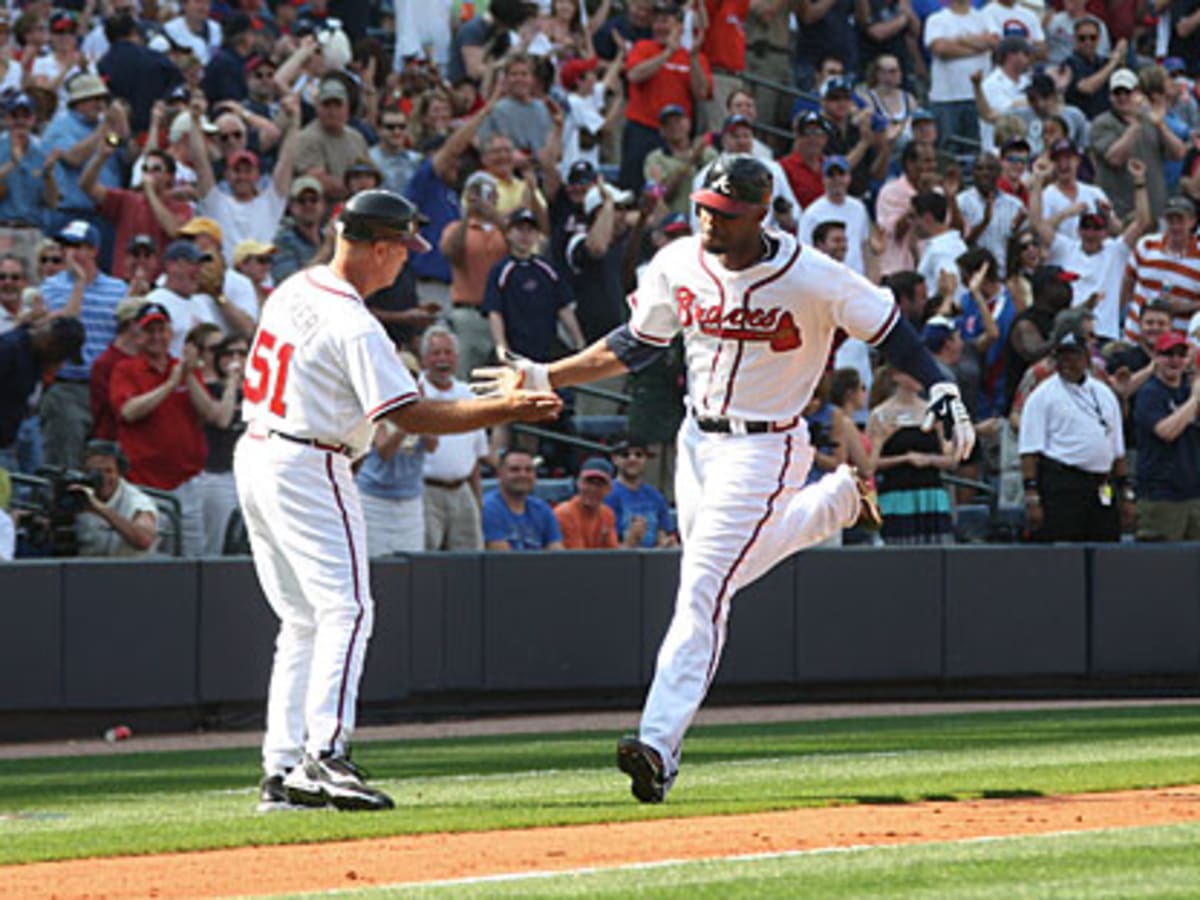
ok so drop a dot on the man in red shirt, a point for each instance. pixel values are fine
(660, 73)
(152, 210)
(725, 46)
(804, 164)
(162, 407)
(124, 346)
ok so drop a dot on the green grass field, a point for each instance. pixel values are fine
(145, 803)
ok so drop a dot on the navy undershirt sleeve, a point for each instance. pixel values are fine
(635, 354)
(903, 349)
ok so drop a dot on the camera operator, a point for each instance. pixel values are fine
(119, 520)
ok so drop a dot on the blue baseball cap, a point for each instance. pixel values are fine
(79, 232)
(671, 109)
(923, 115)
(596, 467)
(835, 162)
(20, 100)
(837, 83)
(936, 332)
(185, 250)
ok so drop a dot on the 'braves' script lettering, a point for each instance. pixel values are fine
(773, 325)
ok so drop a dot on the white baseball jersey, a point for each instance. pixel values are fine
(757, 340)
(321, 365)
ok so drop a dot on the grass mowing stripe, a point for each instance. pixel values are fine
(194, 800)
(1116, 863)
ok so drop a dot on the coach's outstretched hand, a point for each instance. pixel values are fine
(946, 409)
(534, 406)
(513, 373)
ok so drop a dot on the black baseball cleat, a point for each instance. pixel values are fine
(273, 796)
(335, 781)
(644, 766)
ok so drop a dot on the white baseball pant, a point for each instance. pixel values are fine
(742, 508)
(308, 538)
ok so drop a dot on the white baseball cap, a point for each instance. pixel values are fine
(593, 199)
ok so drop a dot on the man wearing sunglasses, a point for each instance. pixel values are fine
(1168, 442)
(394, 154)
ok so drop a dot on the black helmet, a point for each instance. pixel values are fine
(736, 184)
(382, 216)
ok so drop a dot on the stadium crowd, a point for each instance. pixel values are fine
(1023, 174)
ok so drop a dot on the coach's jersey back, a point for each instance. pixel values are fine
(321, 366)
(756, 340)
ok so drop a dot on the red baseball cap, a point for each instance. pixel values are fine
(1168, 341)
(574, 69)
(242, 156)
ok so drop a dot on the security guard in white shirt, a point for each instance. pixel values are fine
(1073, 452)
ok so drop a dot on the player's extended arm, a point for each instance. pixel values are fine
(457, 416)
(902, 347)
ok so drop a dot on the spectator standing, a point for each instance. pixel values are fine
(179, 294)
(586, 522)
(162, 407)
(516, 186)
(394, 154)
(986, 319)
(893, 207)
(1168, 441)
(1073, 452)
(300, 232)
(453, 488)
(725, 46)
(150, 210)
(741, 103)
(631, 26)
(519, 115)
(804, 164)
(672, 166)
(1044, 102)
(827, 29)
(228, 295)
(1060, 32)
(1165, 265)
(1011, 18)
(989, 216)
(327, 146)
(642, 515)
(82, 291)
(1185, 33)
(852, 134)
(390, 485)
(193, 29)
(134, 72)
(959, 39)
(567, 217)
(1002, 92)
(473, 245)
(28, 353)
(768, 56)
(247, 212)
(1127, 132)
(594, 260)
(13, 280)
(225, 73)
(223, 362)
(943, 245)
(908, 464)
(1089, 71)
(1029, 340)
(588, 122)
(118, 520)
(1067, 197)
(526, 298)
(27, 189)
(1099, 261)
(836, 205)
(514, 518)
(253, 259)
(125, 345)
(660, 73)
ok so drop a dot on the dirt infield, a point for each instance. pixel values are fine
(437, 857)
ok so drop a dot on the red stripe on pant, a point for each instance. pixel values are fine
(337, 496)
(779, 484)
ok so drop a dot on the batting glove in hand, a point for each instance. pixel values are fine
(946, 409)
(514, 373)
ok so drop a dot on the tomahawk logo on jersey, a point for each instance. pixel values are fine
(744, 326)
(316, 324)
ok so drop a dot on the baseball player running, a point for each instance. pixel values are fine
(758, 312)
(321, 372)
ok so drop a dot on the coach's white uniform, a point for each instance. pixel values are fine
(321, 369)
(756, 342)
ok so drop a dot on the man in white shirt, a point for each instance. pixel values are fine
(247, 213)
(195, 30)
(1073, 451)
(959, 39)
(1004, 88)
(1097, 259)
(452, 483)
(178, 291)
(1067, 197)
(944, 245)
(989, 215)
(118, 520)
(836, 205)
(229, 295)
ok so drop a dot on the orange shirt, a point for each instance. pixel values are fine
(586, 530)
(670, 84)
(485, 246)
(725, 40)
